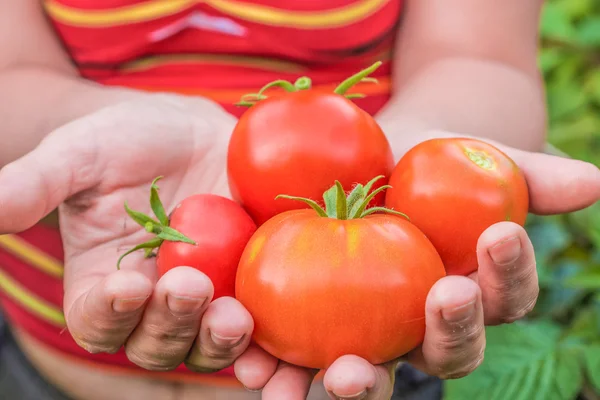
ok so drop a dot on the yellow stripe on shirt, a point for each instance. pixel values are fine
(31, 255)
(257, 13)
(30, 301)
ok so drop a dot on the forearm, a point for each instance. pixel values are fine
(36, 100)
(470, 97)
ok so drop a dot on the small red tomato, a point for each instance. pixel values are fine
(320, 284)
(205, 231)
(299, 143)
(453, 190)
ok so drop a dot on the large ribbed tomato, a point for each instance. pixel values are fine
(455, 188)
(299, 142)
(348, 280)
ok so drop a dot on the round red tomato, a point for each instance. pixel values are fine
(298, 143)
(453, 190)
(205, 231)
(221, 230)
(320, 287)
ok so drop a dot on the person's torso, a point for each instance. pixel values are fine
(221, 49)
(225, 48)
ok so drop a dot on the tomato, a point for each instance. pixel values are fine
(298, 143)
(205, 231)
(319, 287)
(454, 189)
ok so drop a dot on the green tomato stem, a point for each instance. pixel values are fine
(340, 206)
(159, 227)
(305, 83)
(354, 79)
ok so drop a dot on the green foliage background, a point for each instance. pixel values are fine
(555, 353)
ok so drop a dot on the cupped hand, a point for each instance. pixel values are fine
(89, 169)
(504, 289)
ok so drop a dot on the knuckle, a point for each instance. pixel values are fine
(160, 347)
(462, 368)
(211, 358)
(149, 361)
(460, 338)
(170, 334)
(216, 353)
(518, 312)
(95, 346)
(518, 298)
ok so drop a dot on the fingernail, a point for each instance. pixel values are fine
(506, 252)
(358, 396)
(460, 313)
(183, 305)
(225, 341)
(129, 305)
(252, 390)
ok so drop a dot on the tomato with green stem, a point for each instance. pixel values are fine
(205, 231)
(299, 141)
(344, 279)
(453, 189)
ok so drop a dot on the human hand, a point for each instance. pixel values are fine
(504, 289)
(88, 169)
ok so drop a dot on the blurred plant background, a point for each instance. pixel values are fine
(555, 353)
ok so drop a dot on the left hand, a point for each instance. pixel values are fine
(503, 290)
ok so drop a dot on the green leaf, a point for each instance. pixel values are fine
(555, 299)
(592, 366)
(172, 235)
(575, 9)
(588, 32)
(341, 201)
(555, 24)
(549, 58)
(140, 218)
(522, 361)
(565, 98)
(355, 197)
(149, 245)
(313, 204)
(586, 325)
(329, 198)
(592, 87)
(587, 221)
(156, 204)
(589, 279)
(548, 236)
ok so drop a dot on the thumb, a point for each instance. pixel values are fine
(559, 185)
(62, 165)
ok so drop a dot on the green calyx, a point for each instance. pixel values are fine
(339, 205)
(159, 226)
(305, 83)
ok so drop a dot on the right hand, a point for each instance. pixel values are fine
(88, 169)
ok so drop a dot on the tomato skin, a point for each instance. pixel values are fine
(319, 288)
(220, 227)
(298, 144)
(453, 200)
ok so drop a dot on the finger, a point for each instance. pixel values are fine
(100, 319)
(507, 273)
(255, 367)
(37, 183)
(289, 383)
(352, 377)
(455, 337)
(225, 333)
(558, 185)
(171, 322)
